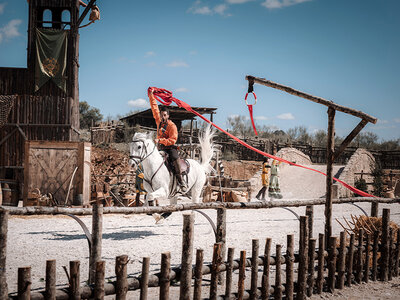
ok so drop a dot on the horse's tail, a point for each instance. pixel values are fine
(207, 148)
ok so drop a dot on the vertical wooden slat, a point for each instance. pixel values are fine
(97, 232)
(367, 256)
(221, 237)
(359, 262)
(50, 293)
(289, 267)
(329, 176)
(242, 274)
(303, 259)
(384, 265)
(74, 280)
(341, 260)
(391, 255)
(254, 269)
(397, 255)
(310, 215)
(278, 280)
(321, 262)
(216, 262)
(187, 253)
(144, 279)
(3, 253)
(311, 263)
(121, 272)
(24, 283)
(374, 209)
(198, 275)
(350, 259)
(99, 280)
(265, 278)
(229, 270)
(332, 264)
(375, 249)
(165, 274)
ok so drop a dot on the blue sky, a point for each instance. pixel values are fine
(346, 51)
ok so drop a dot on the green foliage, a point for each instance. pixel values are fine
(360, 184)
(377, 172)
(88, 115)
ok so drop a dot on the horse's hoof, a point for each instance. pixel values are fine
(158, 217)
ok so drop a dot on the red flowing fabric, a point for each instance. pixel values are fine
(165, 97)
(250, 106)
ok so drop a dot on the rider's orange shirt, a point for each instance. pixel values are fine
(166, 133)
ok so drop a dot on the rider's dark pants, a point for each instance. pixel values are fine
(171, 151)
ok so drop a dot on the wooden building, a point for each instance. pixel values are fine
(48, 112)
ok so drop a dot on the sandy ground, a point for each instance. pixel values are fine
(33, 240)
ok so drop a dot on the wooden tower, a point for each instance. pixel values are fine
(48, 113)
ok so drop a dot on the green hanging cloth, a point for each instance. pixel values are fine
(51, 57)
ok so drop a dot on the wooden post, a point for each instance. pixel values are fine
(375, 249)
(289, 267)
(391, 255)
(341, 260)
(50, 293)
(198, 275)
(216, 262)
(332, 264)
(74, 280)
(242, 274)
(229, 270)
(385, 245)
(350, 259)
(121, 272)
(3, 253)
(374, 209)
(310, 215)
(144, 279)
(24, 283)
(165, 275)
(221, 237)
(359, 263)
(278, 282)
(266, 264)
(303, 259)
(100, 275)
(97, 233)
(397, 255)
(187, 253)
(254, 270)
(311, 269)
(321, 262)
(329, 175)
(367, 256)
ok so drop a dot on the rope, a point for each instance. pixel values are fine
(165, 97)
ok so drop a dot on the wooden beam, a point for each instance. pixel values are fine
(85, 12)
(329, 176)
(7, 136)
(349, 138)
(315, 99)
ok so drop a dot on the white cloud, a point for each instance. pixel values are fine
(260, 118)
(397, 120)
(181, 90)
(149, 54)
(140, 103)
(237, 1)
(198, 8)
(286, 116)
(2, 5)
(220, 9)
(274, 4)
(382, 121)
(10, 30)
(177, 64)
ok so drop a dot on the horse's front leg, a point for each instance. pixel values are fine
(159, 193)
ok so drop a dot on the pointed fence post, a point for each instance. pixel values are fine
(187, 254)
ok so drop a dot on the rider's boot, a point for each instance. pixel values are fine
(179, 177)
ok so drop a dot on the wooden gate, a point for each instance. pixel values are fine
(59, 168)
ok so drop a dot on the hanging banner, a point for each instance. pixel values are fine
(51, 57)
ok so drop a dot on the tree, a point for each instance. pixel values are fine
(88, 115)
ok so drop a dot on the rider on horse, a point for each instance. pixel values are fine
(167, 135)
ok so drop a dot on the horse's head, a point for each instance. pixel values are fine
(141, 147)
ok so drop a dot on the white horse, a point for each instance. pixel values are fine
(158, 181)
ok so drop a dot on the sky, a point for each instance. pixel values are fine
(346, 51)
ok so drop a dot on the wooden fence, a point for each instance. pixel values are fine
(366, 256)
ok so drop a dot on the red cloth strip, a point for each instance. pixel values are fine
(165, 97)
(250, 106)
